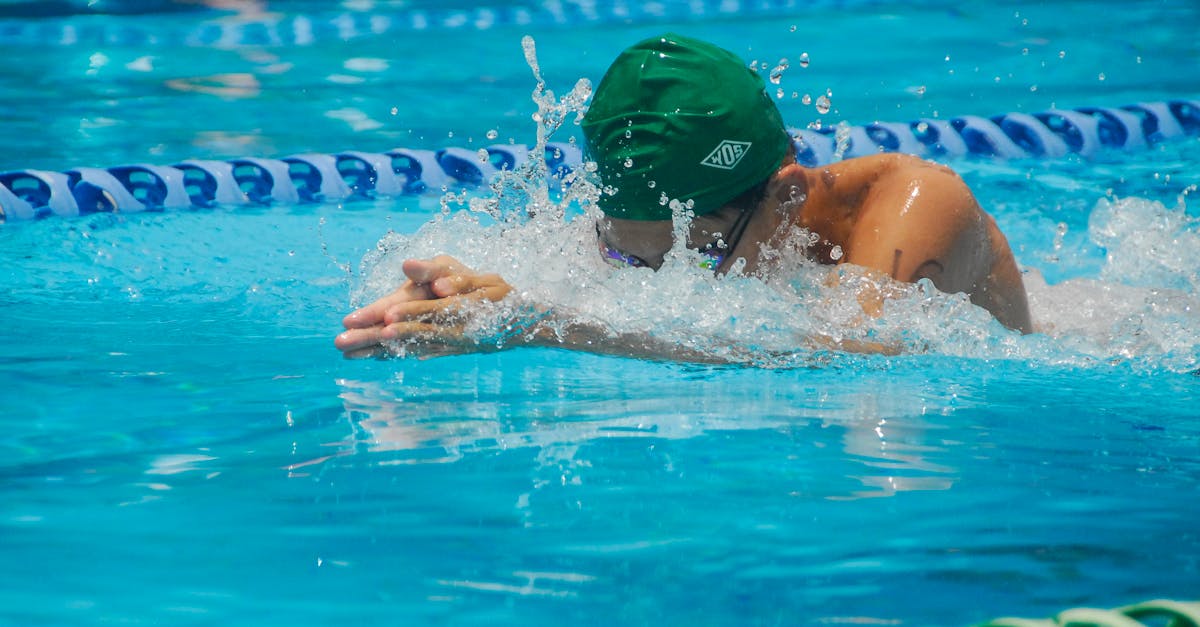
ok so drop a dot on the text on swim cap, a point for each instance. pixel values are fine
(726, 155)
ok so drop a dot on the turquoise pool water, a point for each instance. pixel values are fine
(183, 445)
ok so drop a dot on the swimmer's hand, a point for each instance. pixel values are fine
(431, 305)
(427, 316)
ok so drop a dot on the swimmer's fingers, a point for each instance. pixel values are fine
(426, 339)
(424, 310)
(847, 345)
(354, 341)
(374, 314)
(478, 286)
(422, 274)
(419, 338)
(429, 270)
(462, 293)
(374, 352)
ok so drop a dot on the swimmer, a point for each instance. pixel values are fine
(680, 117)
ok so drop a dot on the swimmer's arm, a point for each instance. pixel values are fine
(427, 317)
(921, 221)
(543, 328)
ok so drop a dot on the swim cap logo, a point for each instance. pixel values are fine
(726, 155)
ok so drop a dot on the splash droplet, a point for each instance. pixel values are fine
(804, 59)
(806, 100)
(835, 253)
(823, 104)
(492, 134)
(777, 71)
(628, 162)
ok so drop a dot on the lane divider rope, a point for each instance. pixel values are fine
(32, 194)
(1162, 613)
(231, 31)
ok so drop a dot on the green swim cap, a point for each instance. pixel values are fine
(684, 118)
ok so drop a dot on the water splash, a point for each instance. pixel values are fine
(1142, 310)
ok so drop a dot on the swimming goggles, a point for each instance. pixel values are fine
(714, 252)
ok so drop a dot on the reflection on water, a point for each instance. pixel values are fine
(235, 85)
(875, 440)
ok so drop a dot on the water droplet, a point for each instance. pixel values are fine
(793, 28)
(396, 110)
(806, 100)
(450, 134)
(1033, 88)
(922, 127)
(492, 134)
(628, 162)
(795, 95)
(804, 59)
(1062, 54)
(823, 104)
(651, 184)
(921, 90)
(628, 133)
(779, 94)
(777, 71)
(663, 200)
(483, 155)
(1101, 77)
(835, 253)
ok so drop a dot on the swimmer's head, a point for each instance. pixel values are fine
(676, 118)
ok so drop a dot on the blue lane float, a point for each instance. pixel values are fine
(346, 176)
(229, 31)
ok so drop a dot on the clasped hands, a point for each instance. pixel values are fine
(430, 307)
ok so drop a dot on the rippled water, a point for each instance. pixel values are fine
(183, 444)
